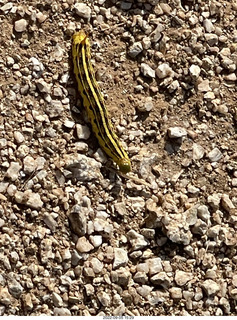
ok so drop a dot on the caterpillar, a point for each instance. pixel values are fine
(93, 102)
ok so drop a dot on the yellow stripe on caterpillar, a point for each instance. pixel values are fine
(93, 101)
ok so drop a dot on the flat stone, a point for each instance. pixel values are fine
(104, 298)
(210, 287)
(83, 10)
(203, 86)
(83, 245)
(163, 71)
(13, 171)
(96, 265)
(57, 300)
(194, 71)
(215, 155)
(147, 71)
(198, 151)
(61, 312)
(120, 258)
(177, 132)
(83, 132)
(182, 277)
(135, 49)
(20, 25)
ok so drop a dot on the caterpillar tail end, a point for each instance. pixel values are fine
(125, 165)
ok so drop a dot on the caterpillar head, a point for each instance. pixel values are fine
(124, 165)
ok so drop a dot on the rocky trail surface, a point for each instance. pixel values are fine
(77, 238)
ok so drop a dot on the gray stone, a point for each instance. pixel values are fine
(96, 265)
(55, 109)
(215, 155)
(120, 258)
(135, 49)
(210, 287)
(20, 25)
(15, 288)
(182, 277)
(83, 132)
(61, 312)
(137, 240)
(177, 132)
(104, 298)
(147, 71)
(13, 171)
(83, 245)
(163, 71)
(198, 151)
(83, 10)
(57, 300)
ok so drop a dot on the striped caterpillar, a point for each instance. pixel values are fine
(93, 101)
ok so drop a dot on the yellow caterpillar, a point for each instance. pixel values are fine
(93, 101)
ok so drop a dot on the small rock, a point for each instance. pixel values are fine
(13, 171)
(194, 71)
(83, 245)
(210, 287)
(120, 258)
(137, 240)
(211, 38)
(6, 7)
(96, 265)
(96, 240)
(230, 77)
(29, 198)
(155, 265)
(181, 277)
(203, 86)
(5, 297)
(135, 49)
(209, 96)
(161, 279)
(15, 288)
(125, 5)
(163, 71)
(203, 213)
(147, 71)
(83, 10)
(43, 86)
(57, 300)
(175, 293)
(18, 137)
(198, 151)
(215, 155)
(146, 43)
(50, 222)
(40, 17)
(226, 203)
(78, 220)
(20, 25)
(30, 164)
(214, 201)
(38, 69)
(83, 132)
(55, 109)
(104, 298)
(208, 25)
(177, 132)
(147, 106)
(61, 312)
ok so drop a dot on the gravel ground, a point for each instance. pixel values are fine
(75, 237)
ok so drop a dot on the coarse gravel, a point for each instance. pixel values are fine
(78, 238)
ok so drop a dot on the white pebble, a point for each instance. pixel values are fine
(82, 10)
(163, 71)
(20, 25)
